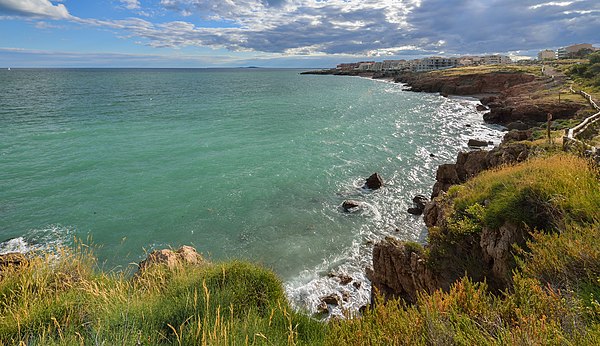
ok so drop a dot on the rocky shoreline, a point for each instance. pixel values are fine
(400, 269)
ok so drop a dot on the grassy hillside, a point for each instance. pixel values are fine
(554, 297)
(64, 301)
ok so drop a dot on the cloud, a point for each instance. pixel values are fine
(131, 4)
(34, 8)
(371, 27)
(350, 27)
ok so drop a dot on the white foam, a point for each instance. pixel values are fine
(47, 238)
(385, 210)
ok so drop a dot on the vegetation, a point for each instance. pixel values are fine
(554, 297)
(482, 69)
(64, 301)
(588, 73)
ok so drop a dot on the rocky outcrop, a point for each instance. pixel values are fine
(497, 249)
(469, 164)
(400, 271)
(517, 136)
(529, 111)
(374, 182)
(185, 255)
(464, 84)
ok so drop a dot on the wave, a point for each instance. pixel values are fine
(47, 238)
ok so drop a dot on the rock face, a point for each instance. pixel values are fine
(469, 164)
(171, 259)
(512, 97)
(488, 83)
(399, 271)
(374, 182)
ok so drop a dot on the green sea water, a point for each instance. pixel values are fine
(240, 163)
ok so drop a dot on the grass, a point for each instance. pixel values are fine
(543, 193)
(482, 69)
(64, 301)
(554, 296)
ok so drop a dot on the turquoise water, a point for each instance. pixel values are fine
(239, 163)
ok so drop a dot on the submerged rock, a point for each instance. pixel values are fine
(350, 205)
(374, 182)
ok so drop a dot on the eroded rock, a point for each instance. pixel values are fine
(374, 182)
(171, 259)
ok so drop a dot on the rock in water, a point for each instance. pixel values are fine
(374, 182)
(350, 205)
(414, 211)
(331, 299)
(482, 108)
(477, 143)
(420, 202)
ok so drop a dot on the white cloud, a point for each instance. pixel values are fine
(131, 4)
(34, 8)
(553, 3)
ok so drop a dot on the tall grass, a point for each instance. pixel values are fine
(64, 301)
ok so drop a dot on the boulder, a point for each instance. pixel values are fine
(171, 259)
(482, 108)
(374, 182)
(322, 309)
(331, 299)
(350, 205)
(477, 143)
(13, 259)
(420, 202)
(344, 279)
(517, 125)
(414, 211)
(518, 135)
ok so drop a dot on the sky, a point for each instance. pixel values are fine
(282, 33)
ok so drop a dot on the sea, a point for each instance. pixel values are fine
(249, 164)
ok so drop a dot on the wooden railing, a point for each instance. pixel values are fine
(571, 138)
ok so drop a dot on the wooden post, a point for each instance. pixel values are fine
(548, 124)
